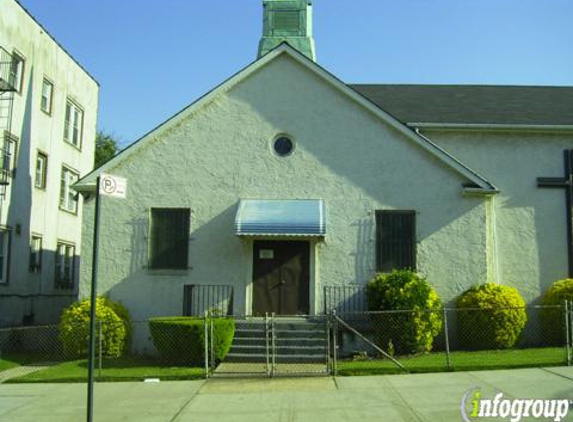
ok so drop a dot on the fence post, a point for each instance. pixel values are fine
(267, 341)
(100, 339)
(327, 345)
(448, 357)
(206, 344)
(212, 327)
(273, 346)
(567, 332)
(334, 344)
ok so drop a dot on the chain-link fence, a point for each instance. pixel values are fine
(136, 352)
(349, 343)
(451, 339)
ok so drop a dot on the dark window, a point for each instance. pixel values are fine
(395, 240)
(169, 240)
(4, 255)
(35, 254)
(283, 146)
(65, 266)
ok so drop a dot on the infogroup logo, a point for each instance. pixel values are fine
(474, 408)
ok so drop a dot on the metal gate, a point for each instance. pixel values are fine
(272, 346)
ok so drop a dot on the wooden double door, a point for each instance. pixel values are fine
(281, 277)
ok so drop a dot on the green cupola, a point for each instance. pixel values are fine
(287, 21)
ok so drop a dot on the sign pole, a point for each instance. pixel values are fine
(91, 356)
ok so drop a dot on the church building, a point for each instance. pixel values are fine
(285, 189)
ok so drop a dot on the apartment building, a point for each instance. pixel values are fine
(48, 114)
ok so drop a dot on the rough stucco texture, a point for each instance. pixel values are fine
(530, 221)
(222, 153)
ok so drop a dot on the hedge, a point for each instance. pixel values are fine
(181, 340)
(116, 328)
(552, 319)
(404, 332)
(494, 317)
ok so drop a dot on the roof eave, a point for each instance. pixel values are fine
(474, 191)
(491, 127)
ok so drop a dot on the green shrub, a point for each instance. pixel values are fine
(407, 332)
(116, 328)
(490, 316)
(181, 340)
(553, 319)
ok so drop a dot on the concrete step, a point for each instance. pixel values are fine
(297, 340)
(280, 358)
(285, 350)
(288, 341)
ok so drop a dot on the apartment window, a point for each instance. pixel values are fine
(41, 170)
(35, 254)
(65, 260)
(10, 153)
(73, 124)
(47, 96)
(169, 238)
(4, 255)
(17, 71)
(68, 199)
(395, 240)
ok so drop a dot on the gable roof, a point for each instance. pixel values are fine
(474, 104)
(477, 184)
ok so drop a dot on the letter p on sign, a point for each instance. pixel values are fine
(112, 186)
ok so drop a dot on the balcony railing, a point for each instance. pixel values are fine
(7, 75)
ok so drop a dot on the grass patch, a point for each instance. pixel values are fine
(7, 363)
(122, 369)
(460, 361)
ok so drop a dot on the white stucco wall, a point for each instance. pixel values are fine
(531, 221)
(222, 153)
(35, 210)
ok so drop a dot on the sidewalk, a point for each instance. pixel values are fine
(393, 398)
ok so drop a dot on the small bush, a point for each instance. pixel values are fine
(116, 328)
(494, 317)
(553, 319)
(181, 340)
(408, 332)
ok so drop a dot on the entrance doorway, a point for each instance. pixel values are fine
(281, 277)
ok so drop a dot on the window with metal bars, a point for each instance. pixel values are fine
(169, 238)
(395, 240)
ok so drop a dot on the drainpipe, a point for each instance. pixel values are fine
(493, 223)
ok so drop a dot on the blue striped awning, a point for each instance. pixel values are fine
(301, 217)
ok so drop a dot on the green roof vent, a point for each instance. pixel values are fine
(287, 21)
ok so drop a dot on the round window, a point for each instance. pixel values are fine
(283, 146)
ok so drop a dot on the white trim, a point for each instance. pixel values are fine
(314, 278)
(87, 184)
(491, 127)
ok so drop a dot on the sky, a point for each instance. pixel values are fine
(154, 57)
